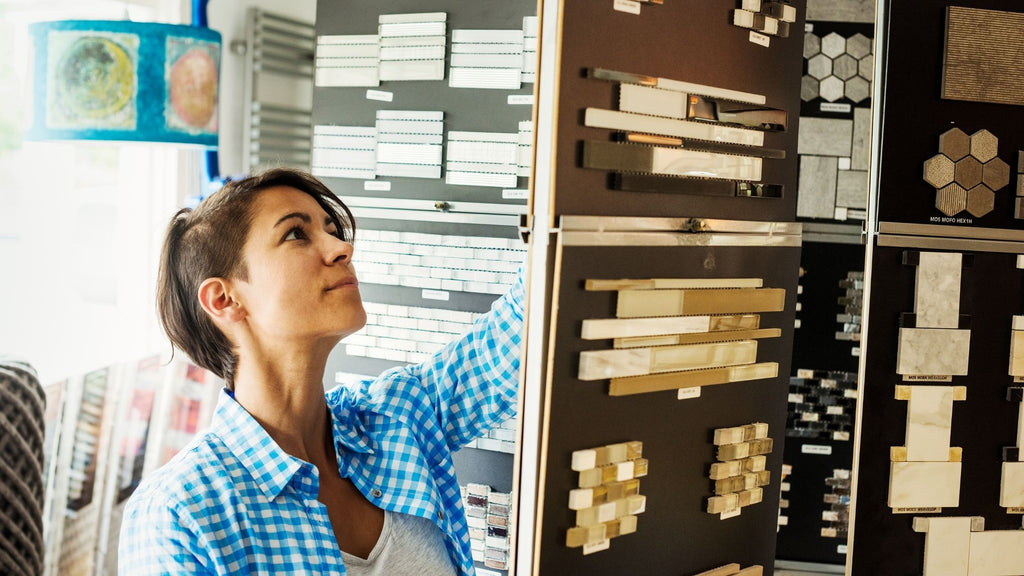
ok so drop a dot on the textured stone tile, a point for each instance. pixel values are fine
(819, 66)
(816, 193)
(812, 45)
(808, 88)
(924, 484)
(845, 66)
(951, 199)
(852, 189)
(825, 136)
(866, 67)
(832, 45)
(954, 143)
(858, 45)
(967, 172)
(858, 89)
(861, 147)
(984, 145)
(995, 174)
(980, 200)
(939, 170)
(841, 10)
(981, 60)
(933, 351)
(937, 290)
(832, 88)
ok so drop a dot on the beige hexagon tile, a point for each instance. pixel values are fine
(995, 174)
(968, 172)
(951, 200)
(938, 170)
(980, 200)
(984, 145)
(955, 143)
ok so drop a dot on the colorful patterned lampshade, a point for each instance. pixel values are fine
(127, 81)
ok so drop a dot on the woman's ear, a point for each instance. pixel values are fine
(216, 299)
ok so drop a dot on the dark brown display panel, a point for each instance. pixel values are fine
(884, 542)
(915, 115)
(675, 535)
(686, 41)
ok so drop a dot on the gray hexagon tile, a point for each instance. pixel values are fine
(832, 45)
(808, 88)
(845, 66)
(832, 56)
(858, 45)
(858, 89)
(819, 66)
(812, 45)
(832, 88)
(866, 67)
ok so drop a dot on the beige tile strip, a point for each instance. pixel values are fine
(601, 364)
(687, 379)
(597, 285)
(699, 337)
(647, 303)
(626, 157)
(603, 328)
(628, 122)
(727, 570)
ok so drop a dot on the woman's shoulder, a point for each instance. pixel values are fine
(189, 477)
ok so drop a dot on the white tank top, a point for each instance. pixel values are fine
(408, 546)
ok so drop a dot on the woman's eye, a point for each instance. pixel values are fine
(295, 233)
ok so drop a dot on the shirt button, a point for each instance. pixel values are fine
(440, 514)
(375, 493)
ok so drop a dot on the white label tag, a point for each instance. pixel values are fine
(380, 185)
(921, 510)
(841, 549)
(730, 514)
(760, 39)
(816, 449)
(688, 393)
(805, 373)
(515, 194)
(520, 99)
(808, 27)
(835, 107)
(596, 546)
(380, 95)
(627, 6)
(435, 295)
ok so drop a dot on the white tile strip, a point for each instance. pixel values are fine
(344, 152)
(482, 159)
(409, 143)
(350, 60)
(412, 46)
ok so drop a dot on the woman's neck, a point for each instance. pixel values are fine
(287, 399)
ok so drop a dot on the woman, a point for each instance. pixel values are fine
(257, 285)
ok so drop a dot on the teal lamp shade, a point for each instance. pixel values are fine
(125, 81)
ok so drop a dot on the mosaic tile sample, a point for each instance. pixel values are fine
(608, 499)
(351, 60)
(837, 67)
(409, 143)
(929, 420)
(934, 346)
(933, 351)
(966, 172)
(836, 519)
(674, 333)
(738, 477)
(482, 159)
(487, 514)
(412, 46)
(822, 405)
(850, 319)
(771, 17)
(734, 570)
(982, 56)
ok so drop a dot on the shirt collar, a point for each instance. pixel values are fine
(270, 466)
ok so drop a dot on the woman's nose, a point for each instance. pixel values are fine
(338, 250)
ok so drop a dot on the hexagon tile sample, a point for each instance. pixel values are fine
(938, 170)
(841, 66)
(966, 172)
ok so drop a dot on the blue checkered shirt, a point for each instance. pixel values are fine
(233, 502)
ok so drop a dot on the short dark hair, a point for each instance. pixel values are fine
(207, 242)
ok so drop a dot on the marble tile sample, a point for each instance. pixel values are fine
(531, 29)
(933, 351)
(602, 328)
(627, 157)
(608, 498)
(628, 122)
(937, 291)
(603, 364)
(490, 59)
(825, 136)
(841, 10)
(698, 337)
(648, 303)
(350, 60)
(344, 152)
(981, 58)
(482, 159)
(947, 544)
(817, 186)
(996, 553)
(852, 189)
(1011, 485)
(412, 46)
(924, 484)
(929, 420)
(691, 378)
(409, 143)
(670, 283)
(1017, 353)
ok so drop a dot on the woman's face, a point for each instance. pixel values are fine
(301, 284)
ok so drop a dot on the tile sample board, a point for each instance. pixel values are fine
(930, 441)
(678, 435)
(945, 69)
(395, 78)
(624, 92)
